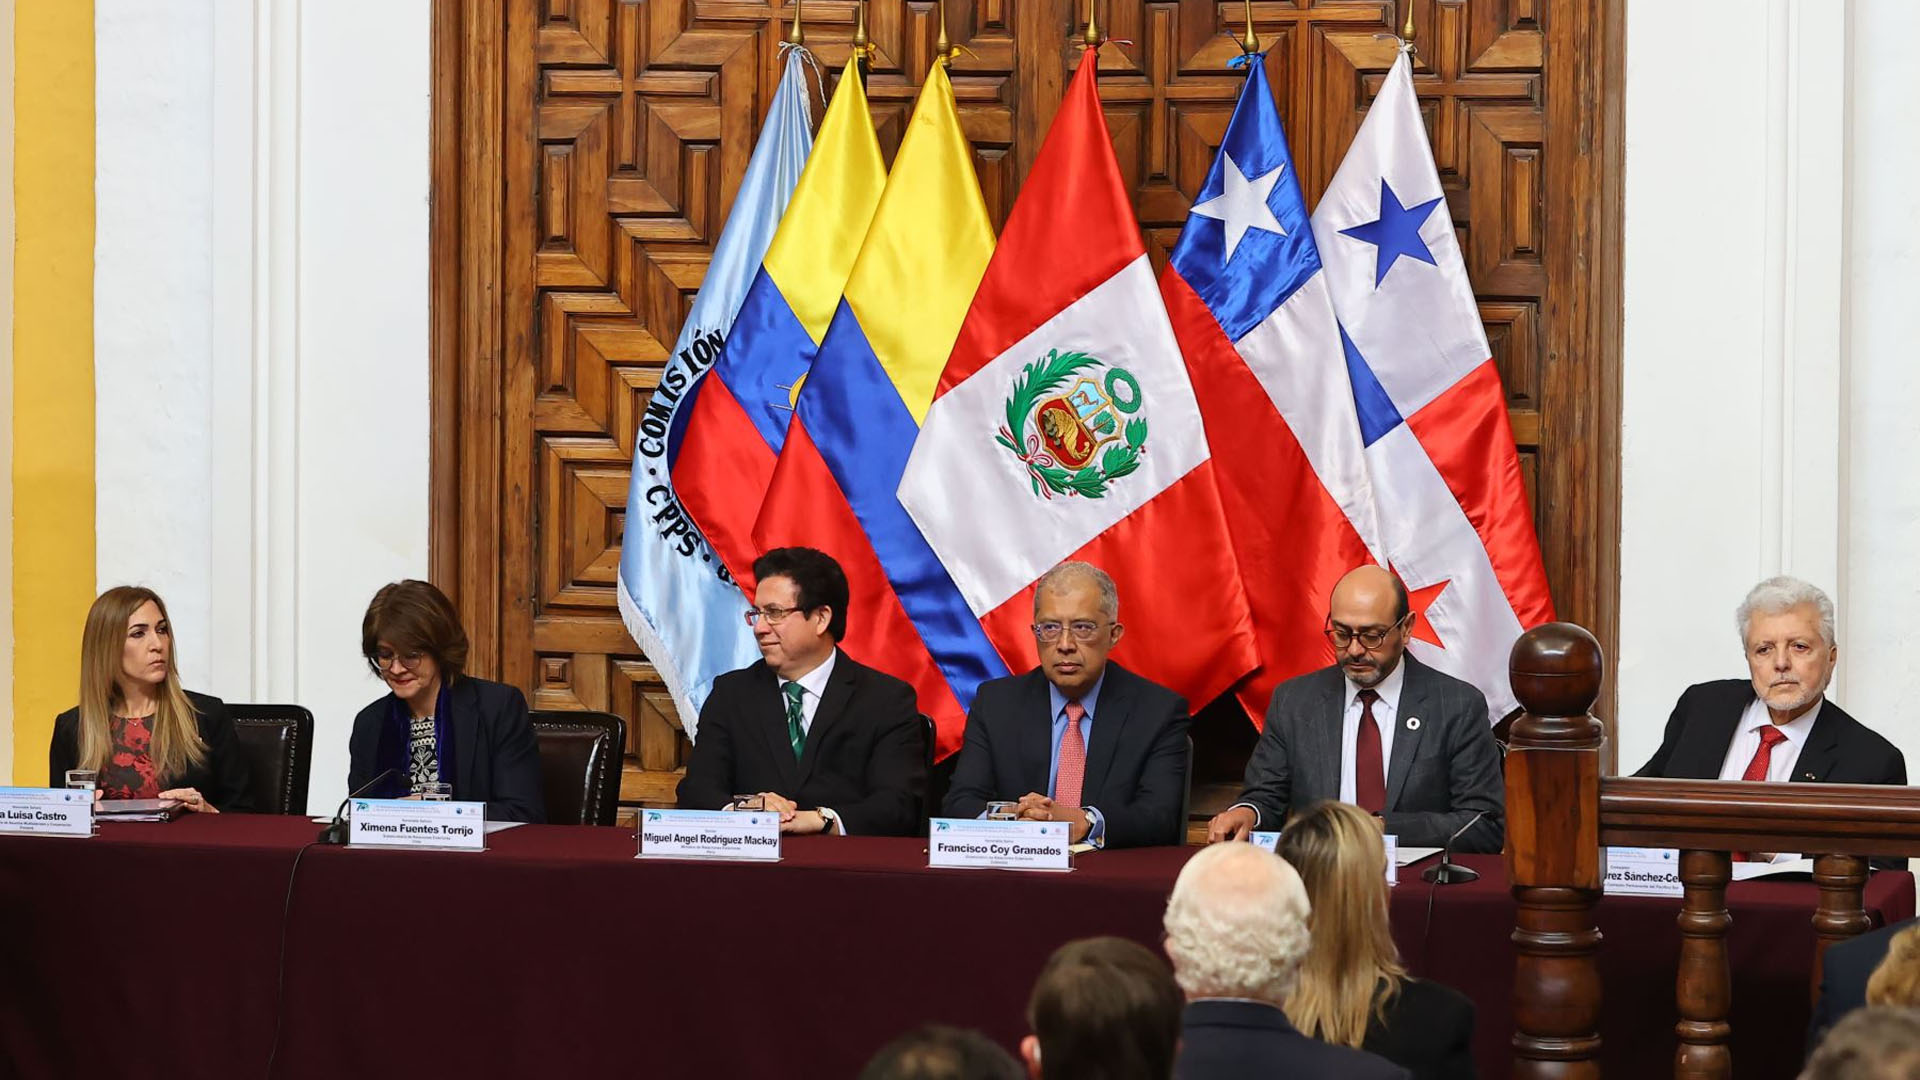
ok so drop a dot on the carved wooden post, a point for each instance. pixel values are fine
(1842, 912)
(1704, 988)
(1553, 853)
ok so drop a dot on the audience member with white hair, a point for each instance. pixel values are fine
(1237, 933)
(1880, 1042)
(1777, 724)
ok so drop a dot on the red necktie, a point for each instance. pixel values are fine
(1770, 737)
(1073, 758)
(1369, 775)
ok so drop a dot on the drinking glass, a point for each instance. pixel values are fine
(87, 779)
(435, 792)
(1003, 811)
(748, 802)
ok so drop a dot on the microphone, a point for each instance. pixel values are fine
(336, 830)
(1448, 872)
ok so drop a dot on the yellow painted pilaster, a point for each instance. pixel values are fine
(53, 527)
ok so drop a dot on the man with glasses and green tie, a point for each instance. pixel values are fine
(1379, 729)
(830, 744)
(1078, 739)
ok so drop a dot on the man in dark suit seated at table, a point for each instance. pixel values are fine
(831, 744)
(1077, 739)
(1776, 725)
(1236, 928)
(1380, 730)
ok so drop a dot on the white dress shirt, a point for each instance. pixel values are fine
(1746, 742)
(1385, 712)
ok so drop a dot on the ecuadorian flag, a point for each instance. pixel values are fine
(865, 396)
(737, 422)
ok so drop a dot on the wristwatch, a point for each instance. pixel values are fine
(827, 818)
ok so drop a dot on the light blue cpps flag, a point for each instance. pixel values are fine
(678, 601)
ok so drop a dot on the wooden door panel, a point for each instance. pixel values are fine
(586, 153)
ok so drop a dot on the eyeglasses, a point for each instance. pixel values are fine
(383, 660)
(772, 613)
(1082, 630)
(1371, 638)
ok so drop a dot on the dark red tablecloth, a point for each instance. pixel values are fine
(154, 951)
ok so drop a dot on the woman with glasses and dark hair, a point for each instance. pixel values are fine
(141, 734)
(439, 732)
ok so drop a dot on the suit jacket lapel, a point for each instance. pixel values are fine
(767, 713)
(1036, 734)
(1406, 744)
(463, 701)
(1320, 765)
(833, 705)
(1822, 752)
(1115, 703)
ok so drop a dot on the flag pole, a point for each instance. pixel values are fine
(1250, 41)
(862, 47)
(943, 49)
(1092, 37)
(1406, 30)
(797, 36)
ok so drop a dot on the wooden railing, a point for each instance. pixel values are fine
(1561, 812)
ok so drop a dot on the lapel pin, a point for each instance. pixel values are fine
(1810, 776)
(1413, 723)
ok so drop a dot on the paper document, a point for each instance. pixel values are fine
(1747, 871)
(1407, 856)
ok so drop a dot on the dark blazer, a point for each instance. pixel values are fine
(1428, 1028)
(865, 755)
(1238, 1040)
(495, 757)
(221, 778)
(1839, 749)
(1843, 978)
(1441, 773)
(1136, 754)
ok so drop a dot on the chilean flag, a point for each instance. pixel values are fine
(1454, 521)
(1250, 306)
(1064, 427)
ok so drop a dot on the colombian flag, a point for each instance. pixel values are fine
(869, 387)
(737, 422)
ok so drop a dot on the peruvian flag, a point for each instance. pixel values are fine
(1065, 427)
(1453, 515)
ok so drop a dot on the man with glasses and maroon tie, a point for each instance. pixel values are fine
(1379, 729)
(1078, 739)
(830, 744)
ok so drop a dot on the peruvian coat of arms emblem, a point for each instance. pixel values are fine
(1075, 423)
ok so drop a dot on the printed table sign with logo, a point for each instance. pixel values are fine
(1265, 841)
(1643, 871)
(46, 811)
(1000, 845)
(742, 835)
(417, 823)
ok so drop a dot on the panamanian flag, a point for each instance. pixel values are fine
(1453, 514)
(1064, 427)
(1249, 303)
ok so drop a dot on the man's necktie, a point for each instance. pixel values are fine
(796, 734)
(1369, 775)
(1770, 737)
(1073, 758)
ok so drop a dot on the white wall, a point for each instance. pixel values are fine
(261, 294)
(1770, 266)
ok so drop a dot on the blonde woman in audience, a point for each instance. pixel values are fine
(136, 728)
(1353, 990)
(1897, 980)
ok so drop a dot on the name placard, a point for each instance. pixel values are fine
(1265, 841)
(741, 835)
(46, 811)
(1000, 845)
(417, 823)
(1642, 871)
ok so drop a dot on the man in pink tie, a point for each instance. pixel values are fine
(1078, 739)
(1379, 729)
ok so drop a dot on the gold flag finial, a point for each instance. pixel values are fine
(942, 45)
(1250, 42)
(1406, 28)
(797, 36)
(860, 42)
(1092, 36)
